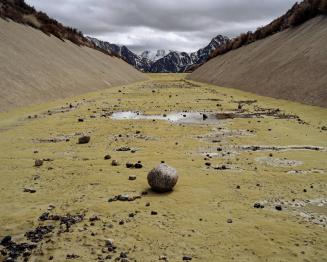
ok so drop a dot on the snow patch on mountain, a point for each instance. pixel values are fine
(162, 61)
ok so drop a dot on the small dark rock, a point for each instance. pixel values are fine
(72, 256)
(278, 207)
(38, 162)
(258, 205)
(37, 234)
(123, 255)
(84, 139)
(132, 178)
(5, 241)
(123, 149)
(115, 163)
(205, 117)
(29, 190)
(187, 258)
(229, 221)
(154, 213)
(129, 165)
(138, 165)
(107, 157)
(94, 218)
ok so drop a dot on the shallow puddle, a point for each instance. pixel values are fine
(179, 117)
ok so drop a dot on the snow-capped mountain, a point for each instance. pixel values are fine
(154, 56)
(203, 54)
(162, 61)
(174, 62)
(124, 53)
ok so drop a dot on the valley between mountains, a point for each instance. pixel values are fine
(250, 167)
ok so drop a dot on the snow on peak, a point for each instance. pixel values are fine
(154, 55)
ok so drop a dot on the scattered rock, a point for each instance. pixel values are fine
(123, 149)
(154, 213)
(258, 205)
(123, 255)
(38, 162)
(163, 258)
(84, 139)
(115, 163)
(129, 165)
(187, 258)
(14, 250)
(94, 218)
(229, 221)
(163, 178)
(132, 177)
(51, 207)
(72, 256)
(110, 245)
(107, 157)
(5, 241)
(80, 120)
(124, 198)
(37, 234)
(29, 190)
(278, 207)
(67, 220)
(138, 166)
(205, 117)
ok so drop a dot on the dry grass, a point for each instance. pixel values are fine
(192, 219)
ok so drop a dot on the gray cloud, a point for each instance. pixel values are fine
(155, 24)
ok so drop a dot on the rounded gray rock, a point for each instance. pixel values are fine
(162, 178)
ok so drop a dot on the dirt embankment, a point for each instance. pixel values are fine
(289, 65)
(36, 68)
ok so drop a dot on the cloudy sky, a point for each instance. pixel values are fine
(183, 25)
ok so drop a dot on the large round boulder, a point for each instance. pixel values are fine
(162, 178)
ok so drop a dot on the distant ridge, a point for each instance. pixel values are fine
(162, 61)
